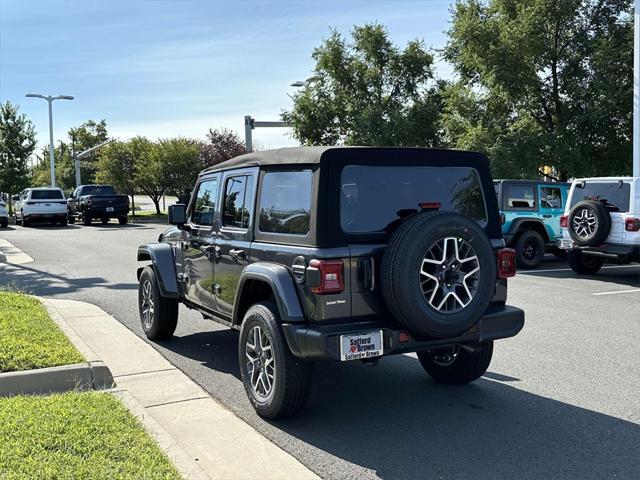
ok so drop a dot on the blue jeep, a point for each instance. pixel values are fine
(531, 212)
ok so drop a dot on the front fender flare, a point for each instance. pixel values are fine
(282, 285)
(161, 257)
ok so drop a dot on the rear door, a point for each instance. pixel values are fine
(551, 199)
(233, 241)
(197, 245)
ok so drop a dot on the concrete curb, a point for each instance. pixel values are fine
(11, 254)
(81, 376)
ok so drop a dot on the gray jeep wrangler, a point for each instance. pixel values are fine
(339, 254)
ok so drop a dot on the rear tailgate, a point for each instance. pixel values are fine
(47, 207)
(108, 201)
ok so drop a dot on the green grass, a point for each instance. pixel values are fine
(29, 338)
(76, 435)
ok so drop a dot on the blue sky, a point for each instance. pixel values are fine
(169, 68)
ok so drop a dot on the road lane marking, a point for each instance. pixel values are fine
(533, 272)
(617, 291)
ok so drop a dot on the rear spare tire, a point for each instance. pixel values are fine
(438, 274)
(589, 223)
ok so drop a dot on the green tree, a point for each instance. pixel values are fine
(368, 92)
(181, 161)
(150, 173)
(116, 166)
(17, 143)
(543, 82)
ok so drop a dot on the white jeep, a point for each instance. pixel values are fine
(601, 222)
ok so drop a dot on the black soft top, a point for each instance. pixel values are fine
(317, 155)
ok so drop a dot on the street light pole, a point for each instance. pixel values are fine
(50, 101)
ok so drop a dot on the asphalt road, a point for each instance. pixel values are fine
(560, 400)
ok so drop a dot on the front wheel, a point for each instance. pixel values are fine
(584, 264)
(158, 315)
(71, 219)
(276, 382)
(529, 249)
(455, 365)
(86, 219)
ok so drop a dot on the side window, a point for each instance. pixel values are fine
(550, 197)
(238, 194)
(519, 197)
(285, 202)
(204, 205)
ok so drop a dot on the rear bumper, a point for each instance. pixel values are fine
(45, 216)
(100, 211)
(323, 342)
(607, 251)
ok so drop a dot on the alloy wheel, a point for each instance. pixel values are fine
(147, 305)
(585, 223)
(450, 273)
(260, 362)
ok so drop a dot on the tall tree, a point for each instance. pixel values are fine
(221, 145)
(17, 143)
(116, 166)
(150, 173)
(180, 158)
(552, 80)
(367, 92)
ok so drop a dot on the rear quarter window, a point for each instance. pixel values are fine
(285, 202)
(376, 198)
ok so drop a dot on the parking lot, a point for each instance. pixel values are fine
(561, 399)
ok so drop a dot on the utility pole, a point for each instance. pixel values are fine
(636, 90)
(81, 155)
(251, 123)
(50, 101)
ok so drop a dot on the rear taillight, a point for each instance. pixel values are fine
(506, 263)
(564, 221)
(632, 224)
(325, 276)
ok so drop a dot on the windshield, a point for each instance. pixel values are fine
(615, 193)
(100, 190)
(376, 198)
(46, 195)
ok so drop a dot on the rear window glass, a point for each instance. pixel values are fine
(98, 190)
(376, 198)
(46, 195)
(615, 193)
(285, 202)
(519, 196)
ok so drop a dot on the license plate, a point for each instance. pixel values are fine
(109, 209)
(566, 244)
(361, 345)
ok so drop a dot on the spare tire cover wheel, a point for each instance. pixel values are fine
(438, 274)
(589, 223)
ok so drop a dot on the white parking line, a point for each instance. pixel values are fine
(533, 272)
(617, 291)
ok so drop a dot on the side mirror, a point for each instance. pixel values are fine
(177, 214)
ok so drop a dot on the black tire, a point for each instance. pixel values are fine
(584, 212)
(54, 222)
(402, 281)
(462, 368)
(104, 220)
(71, 219)
(291, 376)
(163, 319)
(529, 249)
(584, 264)
(4, 224)
(24, 221)
(123, 220)
(64, 222)
(86, 219)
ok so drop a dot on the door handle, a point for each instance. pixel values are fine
(237, 254)
(546, 215)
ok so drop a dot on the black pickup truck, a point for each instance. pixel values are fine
(97, 201)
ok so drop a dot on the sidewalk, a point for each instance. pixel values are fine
(183, 418)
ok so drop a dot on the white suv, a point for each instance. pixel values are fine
(601, 222)
(41, 204)
(4, 214)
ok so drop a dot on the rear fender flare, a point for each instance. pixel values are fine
(520, 223)
(162, 259)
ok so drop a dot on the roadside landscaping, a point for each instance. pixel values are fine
(29, 338)
(76, 435)
(143, 216)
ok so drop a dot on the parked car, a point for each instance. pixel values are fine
(340, 254)
(531, 211)
(97, 201)
(4, 215)
(41, 204)
(602, 223)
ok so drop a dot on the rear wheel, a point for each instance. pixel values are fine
(276, 382)
(71, 219)
(158, 315)
(4, 224)
(86, 219)
(104, 220)
(123, 220)
(529, 249)
(584, 264)
(456, 365)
